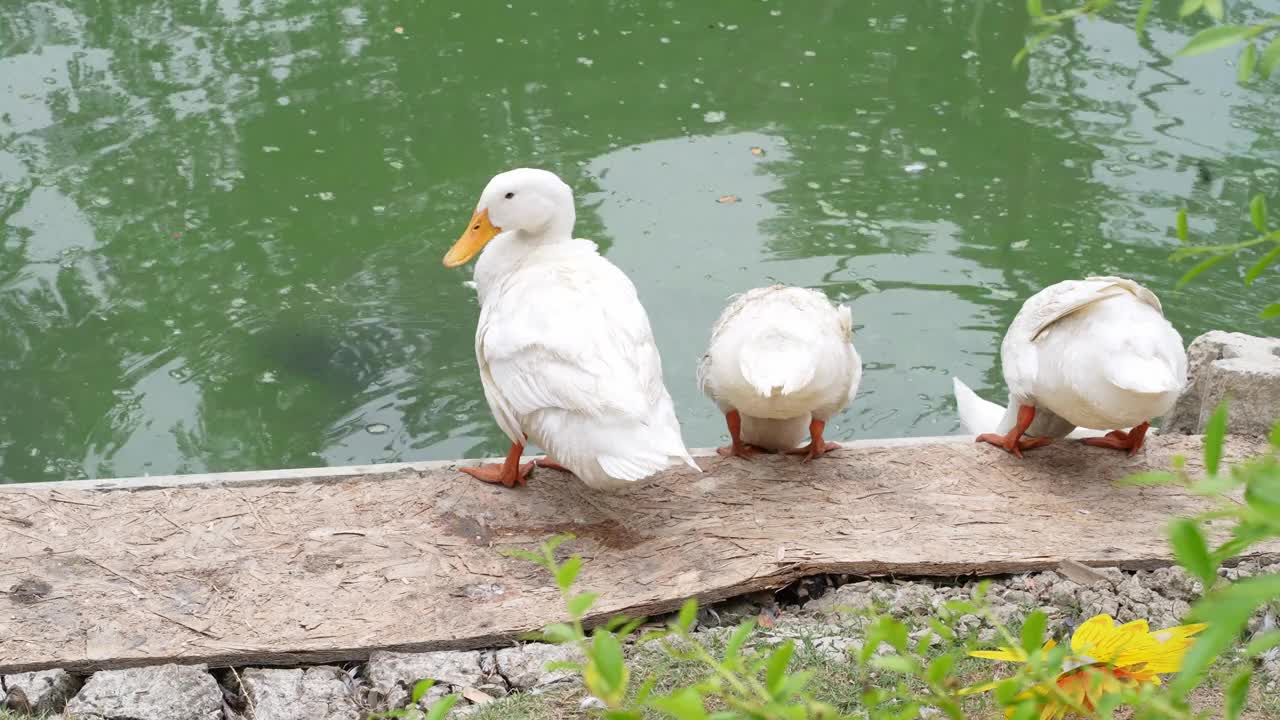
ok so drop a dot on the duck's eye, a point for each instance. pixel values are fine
(509, 195)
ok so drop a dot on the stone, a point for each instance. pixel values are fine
(525, 667)
(1222, 364)
(38, 693)
(317, 693)
(392, 675)
(163, 692)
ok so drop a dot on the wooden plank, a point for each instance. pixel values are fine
(283, 568)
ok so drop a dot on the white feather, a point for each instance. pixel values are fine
(781, 356)
(1095, 353)
(566, 354)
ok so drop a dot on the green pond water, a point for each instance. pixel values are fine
(221, 221)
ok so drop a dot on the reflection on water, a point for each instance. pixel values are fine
(221, 222)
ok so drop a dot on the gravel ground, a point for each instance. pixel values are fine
(825, 614)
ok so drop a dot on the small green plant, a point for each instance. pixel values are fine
(1227, 607)
(438, 710)
(1214, 254)
(1252, 62)
(740, 684)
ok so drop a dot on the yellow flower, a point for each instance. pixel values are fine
(1105, 659)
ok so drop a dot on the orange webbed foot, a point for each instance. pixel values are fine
(1120, 440)
(550, 464)
(1012, 446)
(499, 474)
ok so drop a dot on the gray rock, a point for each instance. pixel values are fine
(164, 692)
(392, 675)
(318, 693)
(1243, 367)
(38, 693)
(525, 667)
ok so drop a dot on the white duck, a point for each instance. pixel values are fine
(567, 358)
(1094, 353)
(780, 363)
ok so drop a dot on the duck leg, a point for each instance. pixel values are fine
(509, 472)
(1121, 440)
(736, 448)
(550, 464)
(1013, 441)
(817, 447)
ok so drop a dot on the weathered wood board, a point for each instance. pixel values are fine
(296, 567)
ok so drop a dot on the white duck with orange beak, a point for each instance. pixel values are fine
(567, 358)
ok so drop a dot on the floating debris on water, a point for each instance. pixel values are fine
(1019, 244)
(270, 149)
(267, 377)
(399, 30)
(928, 152)
(376, 428)
(586, 61)
(757, 151)
(325, 195)
(915, 168)
(726, 199)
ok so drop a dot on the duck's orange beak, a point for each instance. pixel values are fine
(479, 232)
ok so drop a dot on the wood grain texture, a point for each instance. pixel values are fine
(298, 570)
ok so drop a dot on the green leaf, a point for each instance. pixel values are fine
(440, 708)
(1189, 7)
(1199, 268)
(1028, 710)
(606, 654)
(568, 572)
(894, 663)
(1215, 432)
(1258, 210)
(1248, 60)
(1263, 263)
(939, 667)
(420, 688)
(1035, 9)
(1270, 311)
(1033, 632)
(1270, 58)
(683, 704)
(1263, 492)
(1182, 224)
(1237, 693)
(776, 668)
(1226, 611)
(688, 614)
(1140, 26)
(1262, 643)
(559, 633)
(1214, 9)
(1215, 38)
(1275, 435)
(579, 604)
(519, 554)
(1007, 691)
(1192, 551)
(740, 635)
